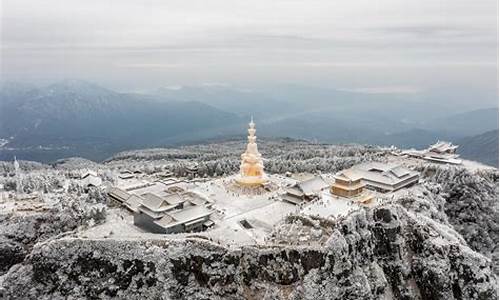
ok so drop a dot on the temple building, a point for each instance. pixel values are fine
(90, 178)
(443, 148)
(383, 177)
(160, 208)
(172, 214)
(443, 152)
(305, 190)
(252, 167)
(440, 152)
(349, 184)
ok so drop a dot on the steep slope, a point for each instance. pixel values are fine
(381, 253)
(482, 148)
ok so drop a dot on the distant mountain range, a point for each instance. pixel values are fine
(467, 123)
(482, 148)
(341, 116)
(77, 118)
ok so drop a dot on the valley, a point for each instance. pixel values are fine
(77, 118)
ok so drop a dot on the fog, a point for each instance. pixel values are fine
(448, 47)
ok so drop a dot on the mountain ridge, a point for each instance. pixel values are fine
(482, 148)
(79, 118)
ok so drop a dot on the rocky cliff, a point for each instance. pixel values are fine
(386, 252)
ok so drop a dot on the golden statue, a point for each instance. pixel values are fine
(252, 167)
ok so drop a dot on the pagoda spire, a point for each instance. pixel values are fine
(252, 166)
(19, 187)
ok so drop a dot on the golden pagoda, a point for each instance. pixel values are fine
(252, 167)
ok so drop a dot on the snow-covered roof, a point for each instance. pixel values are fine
(294, 190)
(444, 159)
(155, 202)
(384, 173)
(375, 166)
(313, 185)
(91, 179)
(441, 152)
(133, 202)
(195, 199)
(349, 175)
(442, 147)
(292, 199)
(184, 215)
(400, 171)
(118, 194)
(134, 185)
(152, 201)
(350, 187)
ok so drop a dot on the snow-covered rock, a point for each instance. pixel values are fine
(378, 253)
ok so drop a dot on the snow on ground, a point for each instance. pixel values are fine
(476, 166)
(329, 206)
(26, 204)
(119, 224)
(261, 219)
(240, 218)
(261, 212)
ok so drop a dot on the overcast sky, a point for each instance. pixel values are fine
(366, 45)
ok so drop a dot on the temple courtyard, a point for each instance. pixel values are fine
(246, 207)
(239, 217)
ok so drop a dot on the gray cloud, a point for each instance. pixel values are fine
(356, 45)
